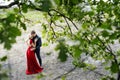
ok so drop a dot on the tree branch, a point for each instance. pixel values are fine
(68, 25)
(71, 70)
(3, 19)
(58, 26)
(9, 5)
(96, 72)
(33, 6)
(112, 54)
(38, 9)
(52, 28)
(65, 17)
(109, 49)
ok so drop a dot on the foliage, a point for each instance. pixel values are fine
(91, 25)
(10, 27)
(40, 76)
(63, 77)
(62, 50)
(3, 75)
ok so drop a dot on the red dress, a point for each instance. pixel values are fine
(32, 65)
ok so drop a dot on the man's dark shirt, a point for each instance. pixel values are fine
(38, 43)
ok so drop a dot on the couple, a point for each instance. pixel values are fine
(34, 43)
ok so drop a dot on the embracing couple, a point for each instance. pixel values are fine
(34, 43)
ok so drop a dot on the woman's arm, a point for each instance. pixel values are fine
(28, 43)
(34, 44)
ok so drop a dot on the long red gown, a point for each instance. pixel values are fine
(32, 65)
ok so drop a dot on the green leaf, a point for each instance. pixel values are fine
(16, 10)
(105, 33)
(95, 41)
(112, 78)
(114, 67)
(3, 76)
(7, 45)
(105, 25)
(104, 79)
(62, 56)
(8, 37)
(113, 36)
(63, 77)
(91, 66)
(46, 5)
(40, 76)
(84, 25)
(76, 51)
(4, 58)
(108, 78)
(75, 62)
(58, 2)
(74, 2)
(10, 18)
(0, 66)
(91, 13)
(45, 44)
(82, 65)
(25, 8)
(79, 64)
(48, 53)
(118, 52)
(107, 68)
(23, 26)
(14, 31)
(63, 50)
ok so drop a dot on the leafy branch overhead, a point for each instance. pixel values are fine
(88, 27)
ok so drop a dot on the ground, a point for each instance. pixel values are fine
(53, 68)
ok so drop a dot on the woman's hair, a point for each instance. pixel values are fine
(30, 37)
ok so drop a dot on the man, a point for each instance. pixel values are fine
(37, 40)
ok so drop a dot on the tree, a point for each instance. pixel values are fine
(91, 24)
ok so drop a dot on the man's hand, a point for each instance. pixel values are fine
(32, 49)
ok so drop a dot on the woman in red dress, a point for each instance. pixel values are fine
(32, 65)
